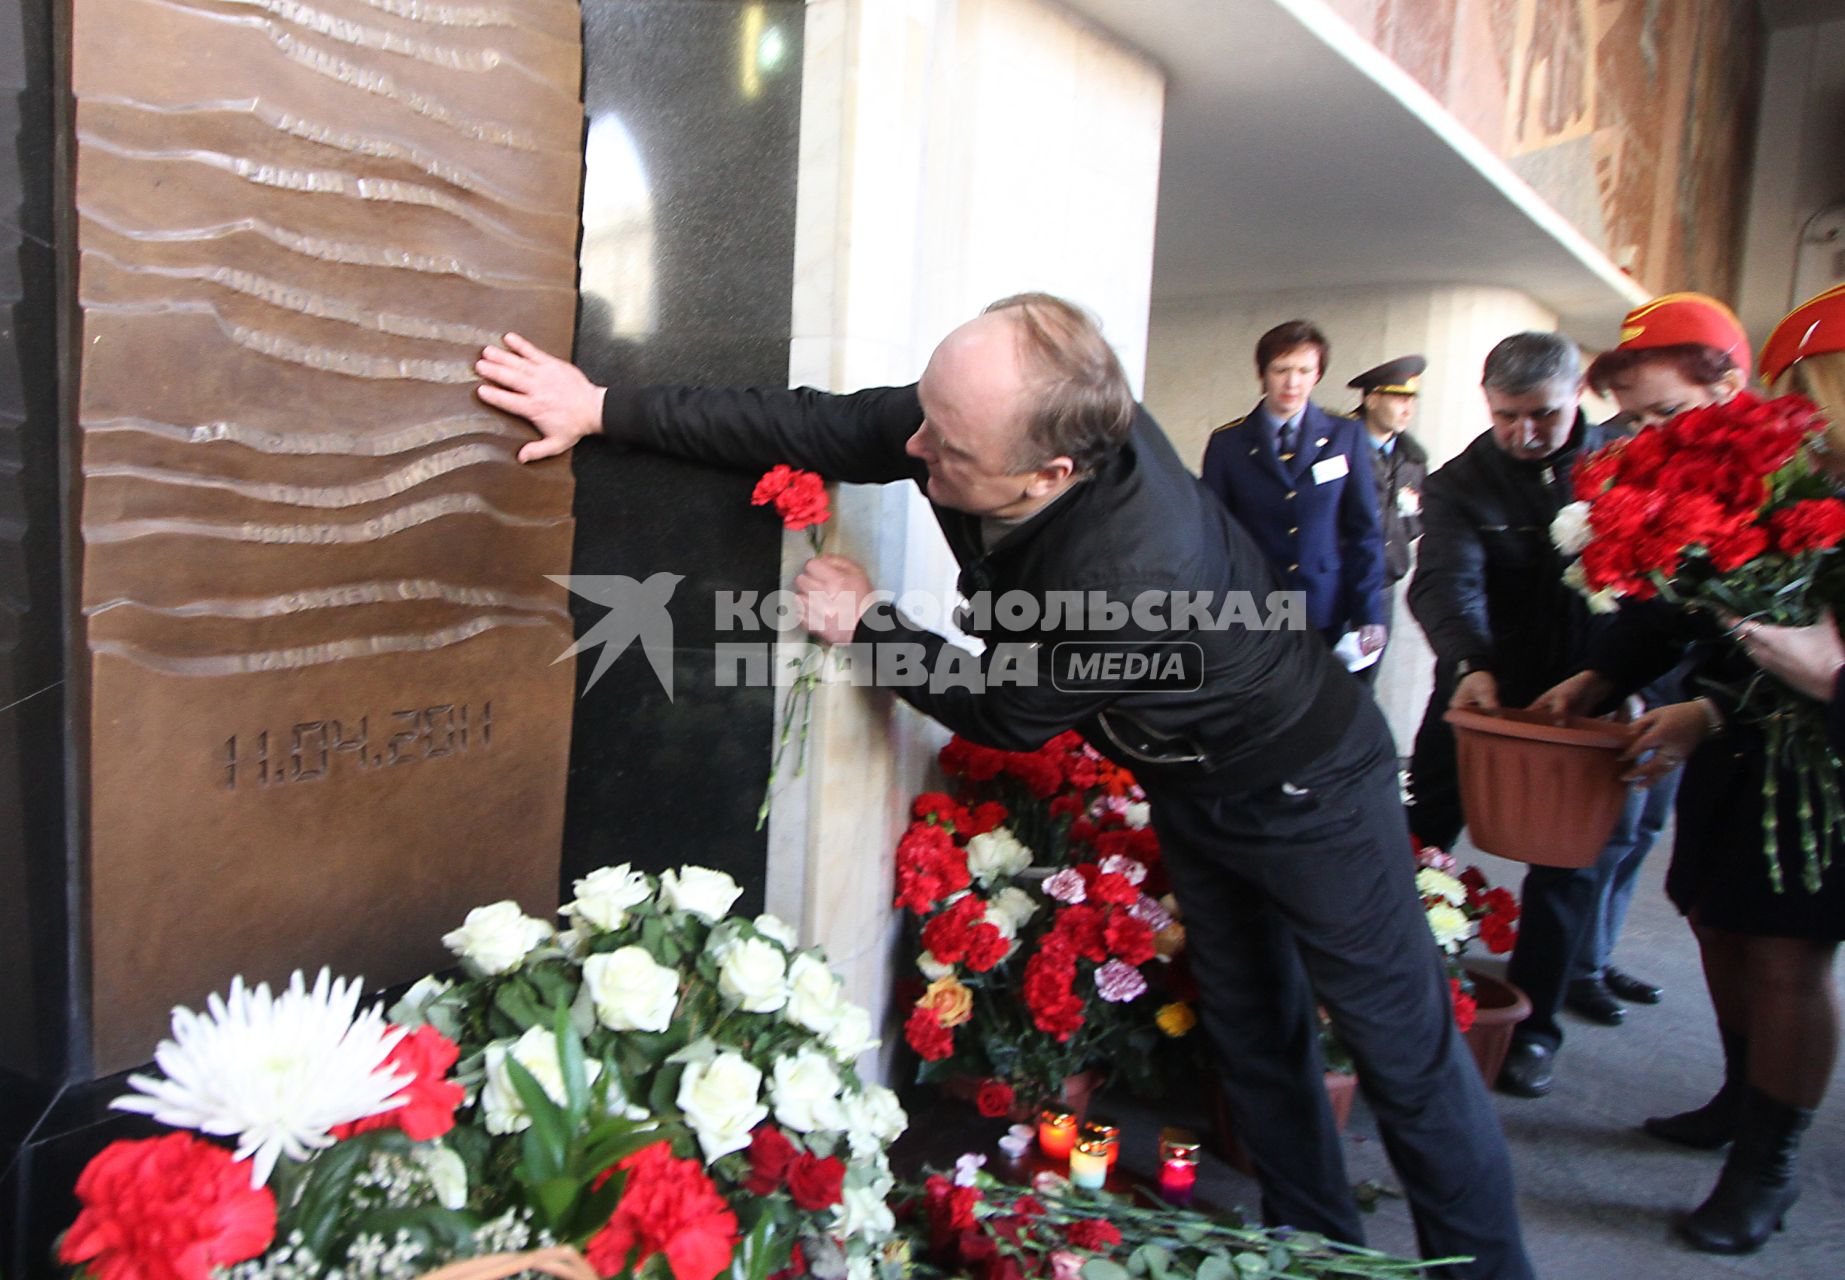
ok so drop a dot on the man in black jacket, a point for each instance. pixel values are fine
(1272, 778)
(1490, 594)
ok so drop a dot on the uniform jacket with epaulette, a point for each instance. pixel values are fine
(1315, 517)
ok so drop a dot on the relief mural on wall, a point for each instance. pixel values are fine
(324, 719)
(1634, 118)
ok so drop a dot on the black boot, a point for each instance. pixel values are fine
(1712, 1125)
(1757, 1187)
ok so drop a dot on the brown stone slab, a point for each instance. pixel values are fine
(326, 714)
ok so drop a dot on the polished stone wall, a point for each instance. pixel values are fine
(687, 267)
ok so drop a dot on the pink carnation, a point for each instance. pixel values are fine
(1129, 869)
(1120, 983)
(1149, 911)
(1067, 886)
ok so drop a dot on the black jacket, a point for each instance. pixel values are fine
(1270, 701)
(1489, 586)
(1405, 467)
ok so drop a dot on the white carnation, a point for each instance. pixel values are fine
(1137, 815)
(631, 991)
(1431, 883)
(699, 890)
(1570, 530)
(1015, 904)
(933, 969)
(996, 855)
(496, 937)
(1450, 926)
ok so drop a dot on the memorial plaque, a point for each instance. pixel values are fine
(323, 712)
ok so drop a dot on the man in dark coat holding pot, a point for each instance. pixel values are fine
(1490, 594)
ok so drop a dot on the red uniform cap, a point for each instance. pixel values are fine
(1675, 319)
(1813, 328)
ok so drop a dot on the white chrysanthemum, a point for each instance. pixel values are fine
(1431, 883)
(1450, 926)
(276, 1072)
(1570, 529)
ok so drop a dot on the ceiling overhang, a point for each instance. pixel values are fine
(1298, 156)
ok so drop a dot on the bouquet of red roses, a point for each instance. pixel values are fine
(1037, 899)
(1725, 509)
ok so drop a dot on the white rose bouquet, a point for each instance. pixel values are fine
(669, 1089)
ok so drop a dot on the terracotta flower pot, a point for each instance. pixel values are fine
(1500, 1007)
(1540, 792)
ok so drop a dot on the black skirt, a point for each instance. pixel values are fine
(1719, 875)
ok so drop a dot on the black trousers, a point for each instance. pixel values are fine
(1307, 893)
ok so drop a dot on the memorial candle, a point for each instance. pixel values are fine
(1056, 1133)
(1178, 1177)
(1089, 1163)
(1099, 1130)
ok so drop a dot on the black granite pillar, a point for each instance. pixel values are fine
(688, 267)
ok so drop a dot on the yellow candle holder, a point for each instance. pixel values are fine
(1103, 1131)
(1089, 1163)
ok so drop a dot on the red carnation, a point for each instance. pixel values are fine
(951, 1211)
(1112, 886)
(1130, 939)
(929, 867)
(987, 816)
(1499, 933)
(994, 1099)
(1080, 924)
(667, 1206)
(1094, 1234)
(774, 480)
(1055, 1008)
(429, 1100)
(1465, 1007)
(171, 1208)
(816, 1184)
(803, 502)
(1028, 1206)
(945, 810)
(770, 1154)
(964, 759)
(925, 1033)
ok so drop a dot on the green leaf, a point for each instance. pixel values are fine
(1103, 1269)
(554, 1198)
(548, 1139)
(663, 1097)
(1216, 1267)
(570, 1058)
(1152, 1260)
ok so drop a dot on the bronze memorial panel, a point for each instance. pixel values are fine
(324, 716)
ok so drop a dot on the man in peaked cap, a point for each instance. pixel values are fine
(1400, 461)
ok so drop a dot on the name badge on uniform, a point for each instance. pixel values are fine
(1409, 502)
(1329, 469)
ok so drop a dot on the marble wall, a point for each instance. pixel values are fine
(1633, 118)
(952, 152)
(1201, 373)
